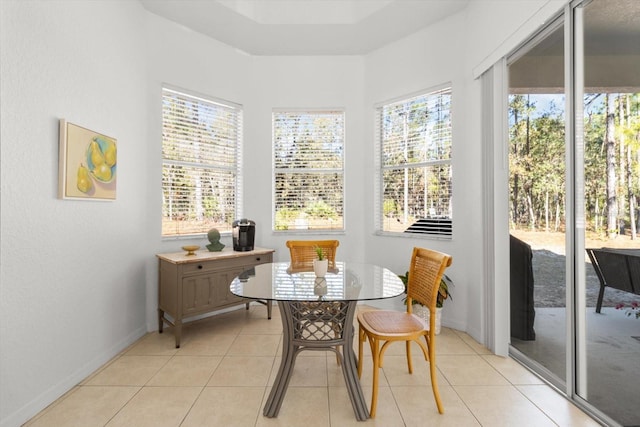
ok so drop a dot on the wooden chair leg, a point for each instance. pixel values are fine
(434, 381)
(434, 386)
(409, 361)
(375, 352)
(361, 338)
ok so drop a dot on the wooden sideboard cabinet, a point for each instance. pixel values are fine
(198, 284)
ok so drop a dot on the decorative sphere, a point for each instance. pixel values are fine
(213, 235)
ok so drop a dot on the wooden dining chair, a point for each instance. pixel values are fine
(303, 252)
(384, 326)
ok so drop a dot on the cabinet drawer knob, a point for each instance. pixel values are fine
(199, 267)
(257, 258)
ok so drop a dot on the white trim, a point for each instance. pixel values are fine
(427, 91)
(575, 278)
(444, 237)
(200, 96)
(328, 110)
(45, 399)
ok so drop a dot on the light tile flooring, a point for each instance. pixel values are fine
(222, 374)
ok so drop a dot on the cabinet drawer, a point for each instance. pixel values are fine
(212, 265)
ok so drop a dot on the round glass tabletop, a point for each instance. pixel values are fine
(347, 282)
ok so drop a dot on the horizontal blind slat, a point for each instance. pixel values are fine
(200, 174)
(308, 169)
(414, 140)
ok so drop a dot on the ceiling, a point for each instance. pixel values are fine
(611, 53)
(305, 27)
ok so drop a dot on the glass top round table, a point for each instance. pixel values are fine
(317, 314)
(349, 281)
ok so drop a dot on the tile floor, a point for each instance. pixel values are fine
(222, 373)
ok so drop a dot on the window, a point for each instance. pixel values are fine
(201, 176)
(308, 165)
(413, 193)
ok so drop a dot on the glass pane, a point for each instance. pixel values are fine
(200, 181)
(415, 194)
(611, 124)
(309, 201)
(196, 200)
(417, 130)
(537, 210)
(308, 170)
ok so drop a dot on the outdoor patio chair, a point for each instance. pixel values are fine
(384, 326)
(617, 269)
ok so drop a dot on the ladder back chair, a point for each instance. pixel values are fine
(385, 327)
(303, 252)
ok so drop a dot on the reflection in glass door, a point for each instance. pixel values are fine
(610, 331)
(537, 202)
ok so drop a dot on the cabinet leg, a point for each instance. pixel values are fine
(178, 332)
(160, 320)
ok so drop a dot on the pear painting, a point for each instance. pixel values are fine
(88, 163)
(84, 180)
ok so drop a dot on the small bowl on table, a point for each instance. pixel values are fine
(191, 249)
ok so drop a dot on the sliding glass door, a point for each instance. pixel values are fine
(537, 201)
(574, 183)
(608, 332)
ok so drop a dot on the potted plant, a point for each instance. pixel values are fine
(321, 263)
(443, 293)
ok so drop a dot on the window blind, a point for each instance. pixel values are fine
(308, 166)
(414, 192)
(201, 176)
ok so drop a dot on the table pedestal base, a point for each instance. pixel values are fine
(320, 325)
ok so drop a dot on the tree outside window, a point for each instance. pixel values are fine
(414, 184)
(308, 149)
(201, 142)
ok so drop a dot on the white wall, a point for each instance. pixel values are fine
(450, 51)
(259, 84)
(72, 279)
(425, 60)
(78, 279)
(298, 83)
(190, 61)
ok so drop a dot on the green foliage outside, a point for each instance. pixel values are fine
(538, 166)
(321, 210)
(284, 217)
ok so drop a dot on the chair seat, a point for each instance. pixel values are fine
(386, 322)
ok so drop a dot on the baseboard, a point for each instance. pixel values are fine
(53, 393)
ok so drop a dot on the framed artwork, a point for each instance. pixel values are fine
(88, 164)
